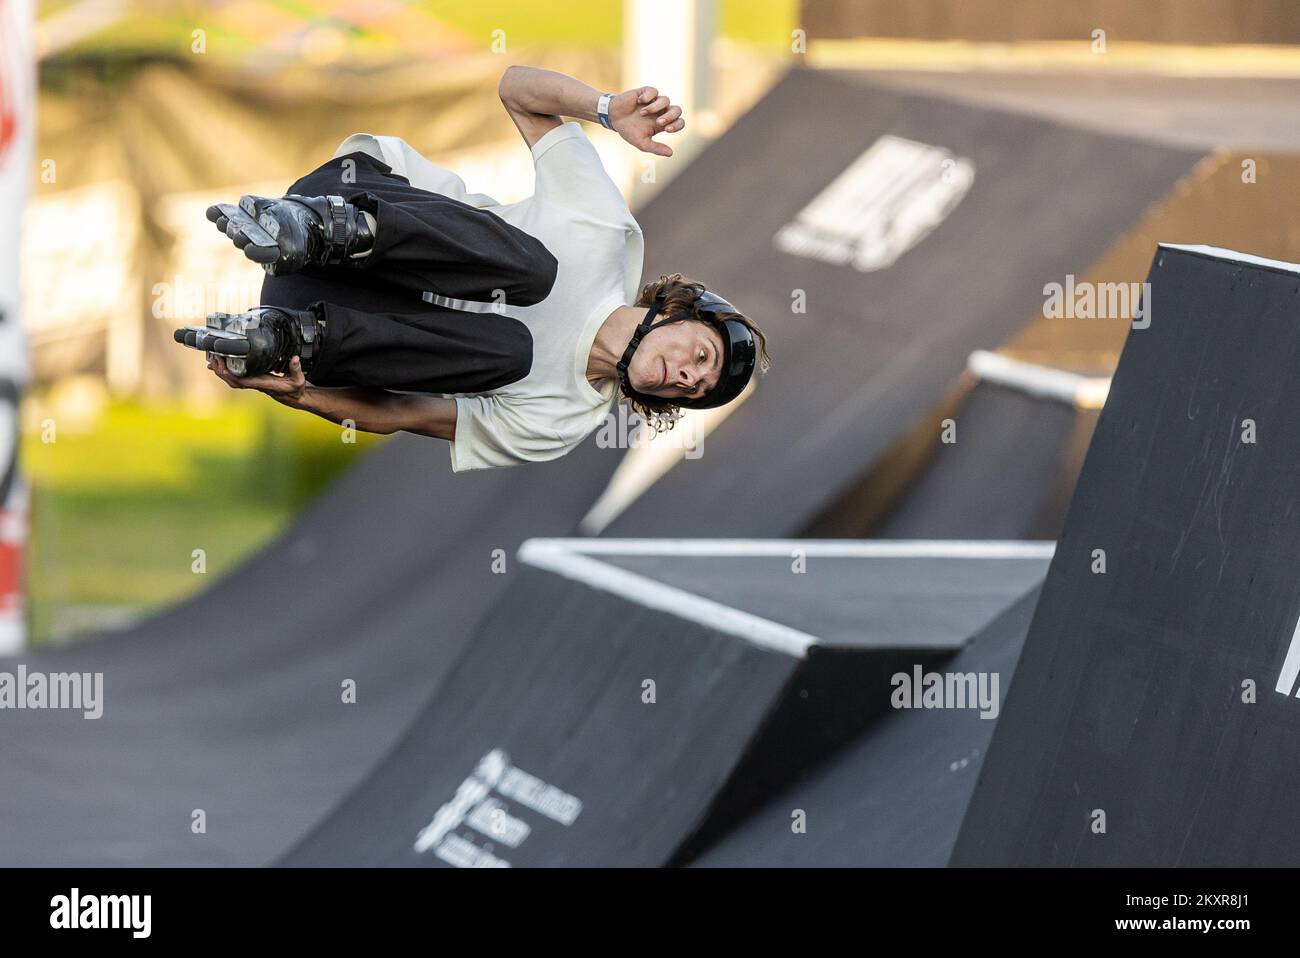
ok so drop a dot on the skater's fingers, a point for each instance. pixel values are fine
(219, 371)
(218, 367)
(668, 116)
(655, 106)
(658, 149)
(271, 384)
(264, 382)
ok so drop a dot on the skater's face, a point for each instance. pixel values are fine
(677, 361)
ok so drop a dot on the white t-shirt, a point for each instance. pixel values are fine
(582, 218)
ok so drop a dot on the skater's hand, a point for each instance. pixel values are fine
(287, 389)
(640, 114)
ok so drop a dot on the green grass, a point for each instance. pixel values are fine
(119, 505)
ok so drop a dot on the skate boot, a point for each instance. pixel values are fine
(259, 340)
(293, 232)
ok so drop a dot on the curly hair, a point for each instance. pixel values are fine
(680, 293)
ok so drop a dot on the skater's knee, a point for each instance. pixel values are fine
(537, 277)
(517, 359)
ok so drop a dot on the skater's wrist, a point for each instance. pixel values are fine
(303, 398)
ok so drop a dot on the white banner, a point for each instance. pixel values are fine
(17, 132)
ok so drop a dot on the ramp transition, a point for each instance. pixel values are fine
(895, 795)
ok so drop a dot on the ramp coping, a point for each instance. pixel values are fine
(1045, 382)
(827, 548)
(572, 558)
(1218, 252)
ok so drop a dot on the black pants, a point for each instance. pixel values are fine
(378, 330)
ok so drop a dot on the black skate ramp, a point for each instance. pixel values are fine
(875, 348)
(1009, 476)
(1153, 720)
(232, 703)
(896, 795)
(627, 698)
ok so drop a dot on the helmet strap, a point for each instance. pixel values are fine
(643, 328)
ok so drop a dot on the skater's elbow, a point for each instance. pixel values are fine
(505, 87)
(516, 84)
(432, 416)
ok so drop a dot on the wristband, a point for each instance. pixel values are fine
(602, 110)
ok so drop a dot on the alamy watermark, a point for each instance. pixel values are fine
(22, 689)
(79, 911)
(946, 690)
(182, 300)
(1073, 300)
(625, 429)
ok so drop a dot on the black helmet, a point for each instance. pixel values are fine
(739, 352)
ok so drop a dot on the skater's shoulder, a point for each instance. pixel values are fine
(571, 173)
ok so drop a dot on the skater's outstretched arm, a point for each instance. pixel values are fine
(369, 410)
(536, 99)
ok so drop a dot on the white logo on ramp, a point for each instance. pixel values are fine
(883, 204)
(1290, 666)
(474, 805)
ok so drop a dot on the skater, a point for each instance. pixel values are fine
(397, 301)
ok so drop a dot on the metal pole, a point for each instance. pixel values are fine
(666, 44)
